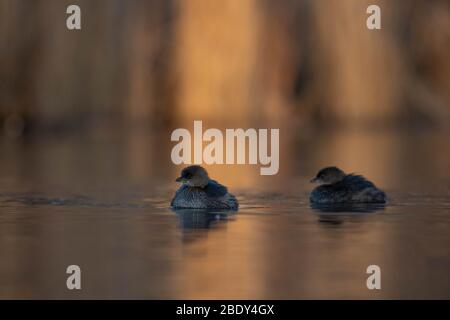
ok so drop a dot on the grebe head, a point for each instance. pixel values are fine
(329, 175)
(194, 176)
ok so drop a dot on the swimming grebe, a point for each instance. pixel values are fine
(198, 191)
(339, 187)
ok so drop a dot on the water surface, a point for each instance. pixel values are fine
(102, 204)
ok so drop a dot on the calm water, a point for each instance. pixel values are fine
(103, 204)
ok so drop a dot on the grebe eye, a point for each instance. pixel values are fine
(187, 175)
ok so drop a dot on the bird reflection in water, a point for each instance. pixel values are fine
(201, 219)
(336, 214)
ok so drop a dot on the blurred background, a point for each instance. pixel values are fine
(304, 66)
(90, 113)
(158, 62)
